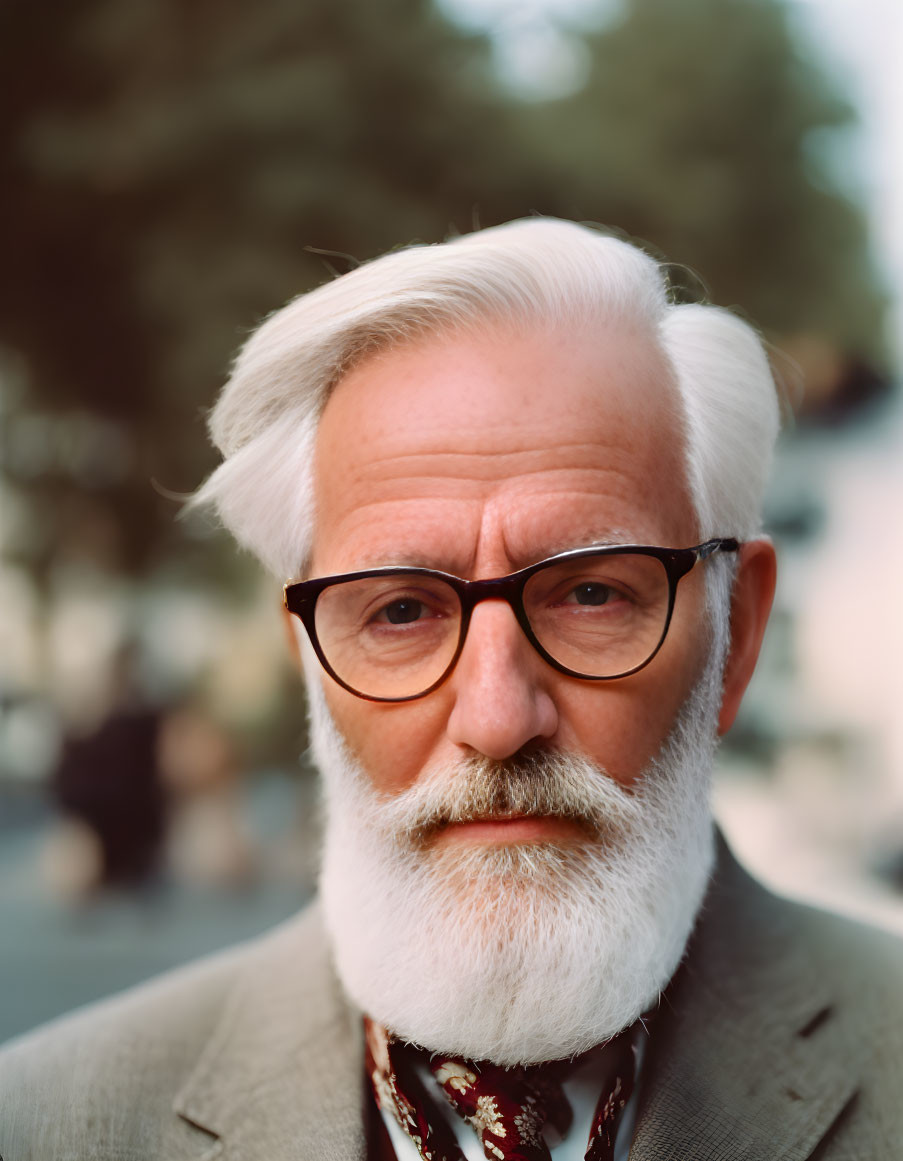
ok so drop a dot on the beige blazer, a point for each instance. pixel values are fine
(780, 1038)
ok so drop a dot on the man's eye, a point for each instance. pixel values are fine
(591, 593)
(401, 612)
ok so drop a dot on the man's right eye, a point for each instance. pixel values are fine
(401, 612)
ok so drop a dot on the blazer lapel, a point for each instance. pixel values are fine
(281, 1079)
(751, 1056)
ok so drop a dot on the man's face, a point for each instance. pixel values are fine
(479, 454)
(517, 910)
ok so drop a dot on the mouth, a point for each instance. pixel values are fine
(506, 829)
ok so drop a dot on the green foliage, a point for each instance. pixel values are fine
(171, 167)
(697, 125)
(168, 166)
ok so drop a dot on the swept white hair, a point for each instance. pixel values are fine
(535, 271)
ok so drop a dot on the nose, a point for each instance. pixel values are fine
(501, 687)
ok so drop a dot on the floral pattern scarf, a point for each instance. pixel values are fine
(507, 1108)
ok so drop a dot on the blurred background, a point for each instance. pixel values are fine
(172, 170)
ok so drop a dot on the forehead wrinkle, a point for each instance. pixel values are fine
(384, 490)
(393, 531)
(418, 529)
(492, 464)
(529, 541)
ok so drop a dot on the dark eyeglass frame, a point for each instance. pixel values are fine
(300, 598)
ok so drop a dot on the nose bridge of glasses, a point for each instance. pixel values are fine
(504, 588)
(507, 590)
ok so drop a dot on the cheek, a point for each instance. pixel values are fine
(393, 743)
(623, 725)
(620, 729)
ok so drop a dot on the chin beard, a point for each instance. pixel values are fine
(517, 953)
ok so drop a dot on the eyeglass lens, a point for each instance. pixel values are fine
(395, 636)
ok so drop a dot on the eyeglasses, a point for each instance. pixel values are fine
(395, 634)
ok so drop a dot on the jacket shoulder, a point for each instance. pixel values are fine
(781, 1035)
(864, 969)
(861, 964)
(845, 978)
(101, 1082)
(856, 966)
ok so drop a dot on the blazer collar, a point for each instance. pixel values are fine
(753, 1058)
(281, 1078)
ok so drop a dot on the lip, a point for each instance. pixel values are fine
(510, 829)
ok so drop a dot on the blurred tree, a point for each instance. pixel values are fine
(167, 164)
(699, 129)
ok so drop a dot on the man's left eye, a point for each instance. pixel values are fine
(592, 593)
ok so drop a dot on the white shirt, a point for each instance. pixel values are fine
(582, 1088)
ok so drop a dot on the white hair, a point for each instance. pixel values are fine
(538, 270)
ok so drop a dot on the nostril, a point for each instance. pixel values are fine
(500, 719)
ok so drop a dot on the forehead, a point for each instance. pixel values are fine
(502, 445)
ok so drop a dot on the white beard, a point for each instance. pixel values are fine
(522, 953)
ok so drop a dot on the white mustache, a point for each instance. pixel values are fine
(542, 783)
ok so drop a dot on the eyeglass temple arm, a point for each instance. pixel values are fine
(720, 544)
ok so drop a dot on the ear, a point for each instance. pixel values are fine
(750, 606)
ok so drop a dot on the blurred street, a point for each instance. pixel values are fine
(55, 956)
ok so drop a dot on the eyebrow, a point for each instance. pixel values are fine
(597, 538)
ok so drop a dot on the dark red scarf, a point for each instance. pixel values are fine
(506, 1107)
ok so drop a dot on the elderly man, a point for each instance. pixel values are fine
(516, 491)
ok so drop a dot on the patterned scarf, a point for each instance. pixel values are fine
(506, 1107)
